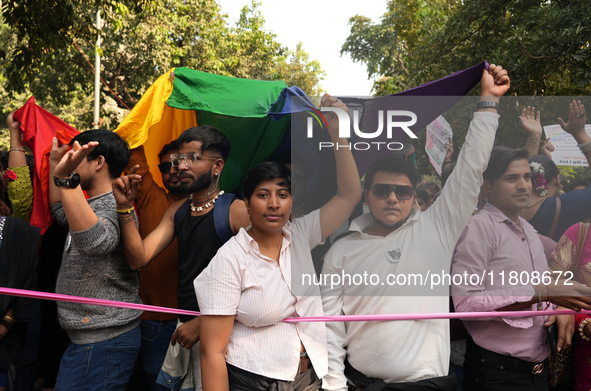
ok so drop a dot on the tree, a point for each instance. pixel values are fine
(389, 49)
(139, 44)
(544, 45)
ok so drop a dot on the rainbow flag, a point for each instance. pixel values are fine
(253, 114)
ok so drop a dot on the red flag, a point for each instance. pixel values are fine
(40, 127)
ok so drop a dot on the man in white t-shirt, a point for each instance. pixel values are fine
(395, 241)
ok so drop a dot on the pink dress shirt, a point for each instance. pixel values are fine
(493, 243)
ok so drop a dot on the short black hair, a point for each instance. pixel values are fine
(424, 195)
(211, 139)
(172, 146)
(111, 146)
(391, 164)
(550, 168)
(500, 159)
(263, 171)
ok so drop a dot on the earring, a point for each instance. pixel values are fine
(213, 185)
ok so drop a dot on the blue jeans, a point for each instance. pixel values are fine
(156, 336)
(99, 366)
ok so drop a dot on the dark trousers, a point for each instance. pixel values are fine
(362, 382)
(241, 380)
(485, 370)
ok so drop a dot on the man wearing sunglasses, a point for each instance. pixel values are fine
(158, 280)
(396, 240)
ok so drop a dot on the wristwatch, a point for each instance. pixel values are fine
(485, 104)
(71, 181)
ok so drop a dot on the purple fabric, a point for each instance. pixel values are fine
(427, 101)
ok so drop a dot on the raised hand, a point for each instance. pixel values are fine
(548, 148)
(576, 119)
(495, 81)
(69, 160)
(126, 188)
(57, 152)
(530, 121)
(332, 118)
(13, 125)
(449, 150)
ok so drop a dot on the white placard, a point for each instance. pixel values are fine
(566, 152)
(438, 134)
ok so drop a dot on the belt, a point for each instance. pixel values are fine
(507, 361)
(305, 362)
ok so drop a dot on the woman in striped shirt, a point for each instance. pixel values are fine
(245, 293)
(256, 280)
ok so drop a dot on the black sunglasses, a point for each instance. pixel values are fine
(164, 167)
(383, 190)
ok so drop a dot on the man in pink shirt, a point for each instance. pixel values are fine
(501, 249)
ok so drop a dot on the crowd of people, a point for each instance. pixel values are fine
(499, 214)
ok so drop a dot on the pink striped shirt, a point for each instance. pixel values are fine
(494, 247)
(241, 281)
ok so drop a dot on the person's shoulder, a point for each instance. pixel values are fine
(174, 207)
(575, 196)
(235, 249)
(484, 218)
(22, 225)
(104, 203)
(572, 231)
(347, 239)
(306, 220)
(237, 205)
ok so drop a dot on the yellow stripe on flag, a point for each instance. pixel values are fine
(153, 124)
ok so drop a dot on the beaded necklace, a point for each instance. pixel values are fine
(2, 222)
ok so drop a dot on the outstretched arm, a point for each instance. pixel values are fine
(17, 150)
(140, 252)
(336, 211)
(20, 190)
(460, 195)
(450, 151)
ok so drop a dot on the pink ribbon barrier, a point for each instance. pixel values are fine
(88, 300)
(337, 318)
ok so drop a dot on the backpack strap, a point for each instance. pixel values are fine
(555, 221)
(180, 214)
(221, 216)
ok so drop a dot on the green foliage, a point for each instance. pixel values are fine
(139, 42)
(296, 69)
(543, 44)
(390, 48)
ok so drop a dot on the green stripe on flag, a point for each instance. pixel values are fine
(195, 90)
(253, 140)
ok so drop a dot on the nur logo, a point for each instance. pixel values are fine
(345, 122)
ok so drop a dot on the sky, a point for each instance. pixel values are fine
(322, 27)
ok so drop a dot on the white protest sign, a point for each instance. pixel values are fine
(438, 134)
(566, 152)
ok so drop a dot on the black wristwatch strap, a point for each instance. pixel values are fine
(71, 181)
